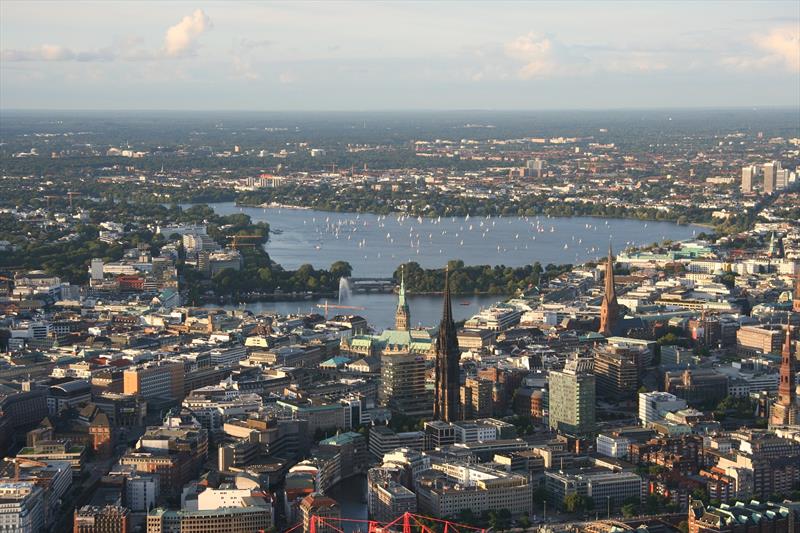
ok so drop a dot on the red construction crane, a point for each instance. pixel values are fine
(72, 195)
(50, 197)
(405, 523)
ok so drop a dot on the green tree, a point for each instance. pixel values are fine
(341, 269)
(629, 510)
(574, 503)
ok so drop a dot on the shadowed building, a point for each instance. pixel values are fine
(447, 402)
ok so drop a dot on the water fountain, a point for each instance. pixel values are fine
(344, 290)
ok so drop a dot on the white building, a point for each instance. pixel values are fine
(654, 405)
(222, 498)
(141, 491)
(467, 432)
(615, 446)
(228, 356)
(96, 269)
(21, 507)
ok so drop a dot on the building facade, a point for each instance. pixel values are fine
(572, 399)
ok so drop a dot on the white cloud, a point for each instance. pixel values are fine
(179, 41)
(287, 77)
(181, 38)
(54, 52)
(538, 56)
(537, 53)
(783, 44)
(778, 48)
(243, 68)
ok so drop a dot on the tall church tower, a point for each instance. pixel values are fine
(785, 410)
(447, 402)
(402, 317)
(609, 310)
(796, 294)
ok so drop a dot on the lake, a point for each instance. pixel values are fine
(379, 308)
(376, 245)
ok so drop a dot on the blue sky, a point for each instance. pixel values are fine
(398, 55)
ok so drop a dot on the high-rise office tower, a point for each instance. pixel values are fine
(782, 178)
(534, 168)
(446, 405)
(572, 398)
(748, 173)
(402, 386)
(770, 176)
(617, 371)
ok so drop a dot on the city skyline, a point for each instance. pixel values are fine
(391, 56)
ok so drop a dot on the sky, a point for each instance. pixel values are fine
(364, 56)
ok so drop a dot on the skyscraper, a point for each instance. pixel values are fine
(402, 386)
(770, 176)
(609, 309)
(572, 398)
(748, 173)
(402, 317)
(617, 371)
(785, 410)
(446, 404)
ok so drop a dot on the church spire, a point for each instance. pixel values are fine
(609, 309)
(786, 389)
(785, 409)
(447, 311)
(796, 294)
(611, 291)
(448, 381)
(402, 317)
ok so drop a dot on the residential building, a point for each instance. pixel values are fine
(316, 506)
(387, 498)
(108, 519)
(752, 517)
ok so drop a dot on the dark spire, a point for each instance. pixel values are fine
(448, 357)
(447, 311)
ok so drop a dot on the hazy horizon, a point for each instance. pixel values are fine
(398, 56)
(754, 108)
